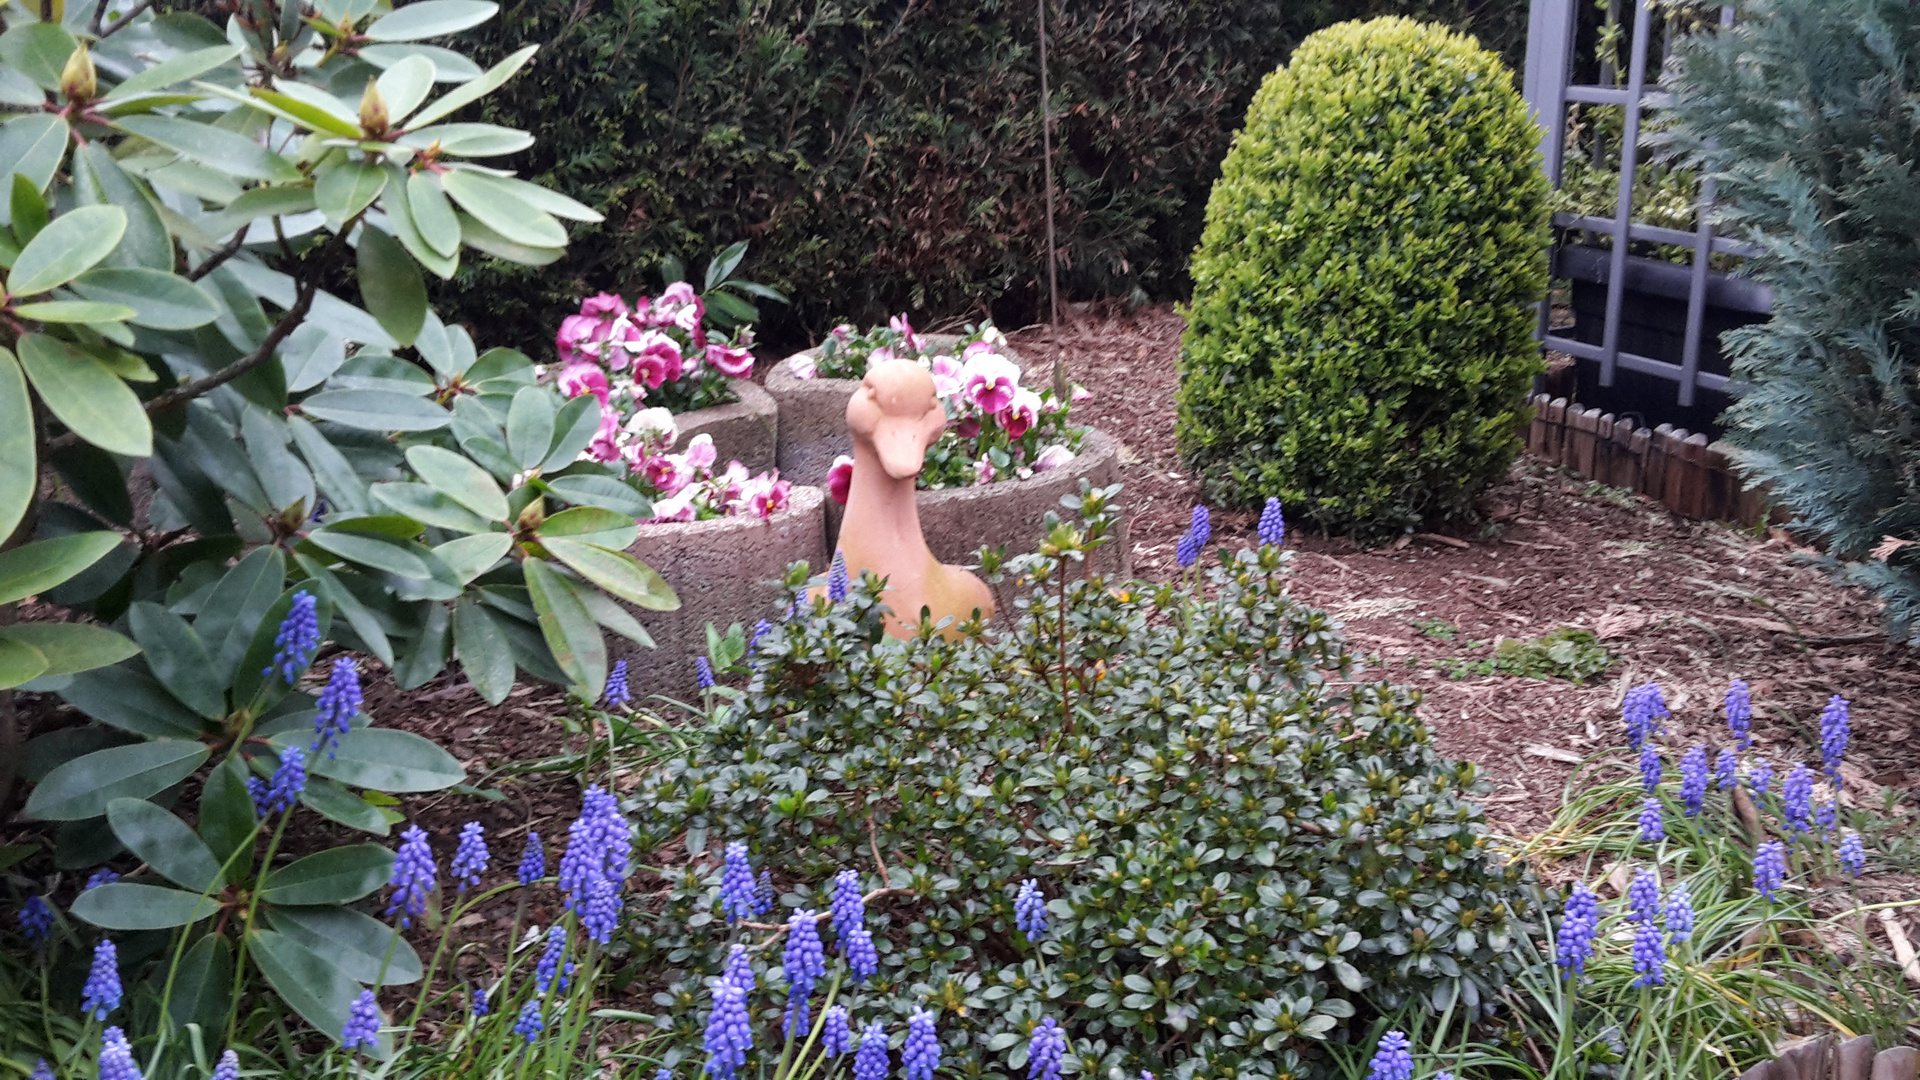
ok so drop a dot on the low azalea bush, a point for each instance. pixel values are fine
(997, 429)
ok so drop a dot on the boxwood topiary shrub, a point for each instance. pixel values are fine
(1246, 851)
(1358, 343)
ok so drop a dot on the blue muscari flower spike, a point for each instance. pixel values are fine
(116, 1056)
(760, 629)
(870, 1062)
(736, 884)
(921, 1054)
(600, 912)
(1726, 770)
(1187, 551)
(703, 672)
(663, 1073)
(340, 701)
(1693, 780)
(1579, 920)
(1650, 768)
(862, 960)
(1045, 1050)
(1030, 910)
(598, 846)
(729, 1032)
(1853, 853)
(477, 1003)
(1649, 956)
(1653, 827)
(763, 893)
(849, 907)
(739, 969)
(470, 858)
(1643, 709)
(101, 995)
(413, 876)
(530, 1023)
(1826, 816)
(1643, 897)
(1273, 523)
(102, 876)
(36, 921)
(1201, 526)
(1679, 914)
(533, 861)
(257, 791)
(289, 780)
(837, 581)
(41, 1070)
(1760, 777)
(1769, 868)
(1740, 713)
(297, 641)
(804, 962)
(555, 971)
(836, 1032)
(1392, 1059)
(1443, 1075)
(1796, 796)
(617, 692)
(228, 1067)
(363, 1023)
(1835, 732)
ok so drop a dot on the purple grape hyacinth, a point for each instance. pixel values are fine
(1643, 709)
(289, 780)
(1186, 551)
(1739, 707)
(36, 921)
(804, 962)
(101, 995)
(1273, 523)
(1649, 956)
(1045, 1050)
(838, 584)
(1826, 816)
(1796, 797)
(533, 861)
(363, 1023)
(617, 693)
(1836, 731)
(102, 876)
(703, 672)
(1726, 771)
(531, 1022)
(836, 1032)
(1653, 825)
(1030, 910)
(739, 969)
(413, 876)
(1853, 853)
(862, 961)
(1392, 1058)
(1769, 868)
(477, 1002)
(555, 971)
(870, 1062)
(921, 1054)
(849, 906)
(1693, 780)
(470, 858)
(228, 1067)
(297, 640)
(1579, 921)
(729, 1032)
(598, 846)
(340, 701)
(763, 893)
(1760, 777)
(41, 1070)
(1643, 897)
(1651, 768)
(116, 1056)
(1679, 914)
(736, 884)
(600, 914)
(1201, 526)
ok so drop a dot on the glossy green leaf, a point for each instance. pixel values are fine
(158, 299)
(166, 844)
(71, 648)
(428, 655)
(335, 476)
(376, 410)
(590, 525)
(337, 804)
(378, 552)
(282, 474)
(86, 395)
(448, 66)
(99, 180)
(126, 905)
(503, 210)
(234, 609)
(432, 214)
(178, 658)
(361, 946)
(390, 285)
(19, 663)
(422, 503)
(471, 140)
(375, 371)
(500, 362)
(571, 634)
(542, 198)
(606, 492)
(29, 210)
(266, 201)
(309, 356)
(17, 89)
(227, 818)
(337, 875)
(405, 85)
(407, 231)
(344, 188)
(479, 236)
(74, 311)
(430, 19)
(530, 425)
(33, 568)
(306, 980)
(387, 760)
(617, 572)
(608, 613)
(337, 315)
(470, 556)
(39, 50)
(203, 987)
(97, 478)
(309, 106)
(363, 621)
(69, 246)
(34, 145)
(484, 654)
(460, 480)
(130, 700)
(174, 70)
(82, 788)
(19, 466)
(215, 147)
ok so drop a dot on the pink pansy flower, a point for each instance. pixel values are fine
(604, 306)
(1080, 394)
(606, 441)
(1020, 413)
(803, 366)
(680, 307)
(675, 507)
(668, 473)
(763, 496)
(656, 358)
(967, 428)
(946, 372)
(983, 472)
(733, 361)
(879, 354)
(727, 486)
(579, 338)
(1053, 457)
(653, 426)
(700, 453)
(899, 325)
(623, 339)
(840, 479)
(584, 378)
(841, 332)
(991, 380)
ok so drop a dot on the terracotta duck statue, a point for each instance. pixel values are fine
(894, 417)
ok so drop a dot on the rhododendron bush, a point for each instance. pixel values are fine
(997, 429)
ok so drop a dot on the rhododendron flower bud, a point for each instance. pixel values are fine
(983, 471)
(991, 381)
(840, 479)
(1019, 415)
(653, 426)
(947, 376)
(733, 361)
(803, 366)
(605, 306)
(700, 453)
(899, 325)
(656, 358)
(584, 378)
(1053, 457)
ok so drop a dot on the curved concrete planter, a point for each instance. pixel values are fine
(724, 571)
(813, 417)
(959, 521)
(746, 430)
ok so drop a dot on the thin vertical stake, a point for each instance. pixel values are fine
(1046, 165)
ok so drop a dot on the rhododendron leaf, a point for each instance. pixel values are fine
(614, 617)
(430, 19)
(591, 525)
(69, 246)
(308, 981)
(470, 556)
(574, 427)
(570, 632)
(86, 394)
(617, 572)
(494, 77)
(503, 210)
(18, 471)
(530, 422)
(407, 231)
(20, 663)
(376, 410)
(390, 285)
(422, 503)
(460, 480)
(404, 86)
(591, 489)
(485, 656)
(377, 552)
(344, 188)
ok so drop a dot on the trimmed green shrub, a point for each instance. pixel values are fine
(1246, 851)
(1358, 343)
(1808, 114)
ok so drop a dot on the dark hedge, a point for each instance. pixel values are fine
(884, 155)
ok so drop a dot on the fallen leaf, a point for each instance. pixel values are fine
(1554, 753)
(1619, 622)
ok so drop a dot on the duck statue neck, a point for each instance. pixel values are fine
(894, 417)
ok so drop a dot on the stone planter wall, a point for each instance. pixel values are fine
(724, 572)
(747, 430)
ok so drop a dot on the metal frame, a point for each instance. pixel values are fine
(1550, 49)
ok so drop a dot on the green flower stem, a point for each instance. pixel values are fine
(246, 923)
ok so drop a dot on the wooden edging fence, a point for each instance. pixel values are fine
(1682, 471)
